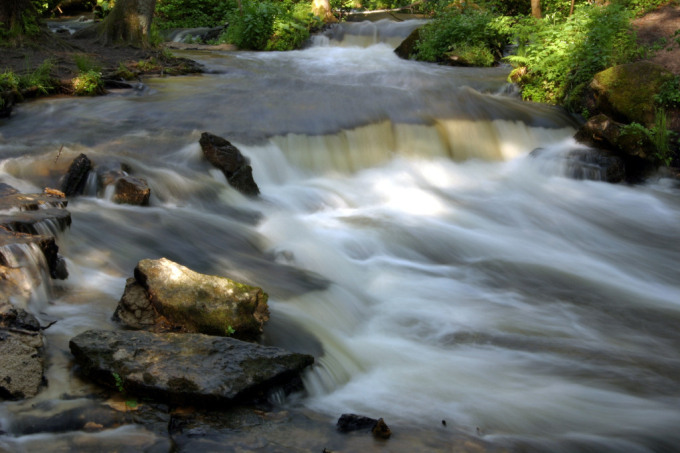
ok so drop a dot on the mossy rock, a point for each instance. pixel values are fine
(626, 92)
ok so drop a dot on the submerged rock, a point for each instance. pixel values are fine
(352, 422)
(165, 296)
(55, 263)
(589, 163)
(632, 149)
(408, 47)
(225, 156)
(131, 190)
(192, 369)
(22, 361)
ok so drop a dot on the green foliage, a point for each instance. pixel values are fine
(193, 13)
(39, 79)
(560, 57)
(473, 31)
(85, 63)
(640, 7)
(382, 4)
(149, 65)
(155, 36)
(669, 94)
(659, 136)
(103, 8)
(230, 331)
(292, 28)
(124, 73)
(118, 382)
(252, 29)
(88, 83)
(9, 81)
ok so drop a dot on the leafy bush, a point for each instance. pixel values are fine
(39, 79)
(292, 28)
(253, 28)
(669, 94)
(469, 30)
(557, 59)
(193, 13)
(88, 83)
(659, 136)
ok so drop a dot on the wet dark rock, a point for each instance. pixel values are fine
(168, 296)
(6, 189)
(89, 417)
(30, 202)
(22, 361)
(75, 179)
(108, 173)
(407, 49)
(225, 156)
(381, 430)
(44, 221)
(242, 180)
(352, 422)
(590, 164)
(597, 165)
(131, 190)
(634, 149)
(47, 245)
(7, 101)
(179, 368)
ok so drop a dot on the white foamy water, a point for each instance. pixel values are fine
(404, 234)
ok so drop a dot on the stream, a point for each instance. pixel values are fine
(444, 279)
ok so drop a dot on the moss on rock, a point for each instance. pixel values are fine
(626, 92)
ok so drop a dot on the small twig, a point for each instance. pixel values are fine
(58, 154)
(48, 326)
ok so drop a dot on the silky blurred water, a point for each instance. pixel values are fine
(404, 234)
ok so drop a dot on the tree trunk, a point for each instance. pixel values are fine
(322, 9)
(16, 16)
(128, 23)
(536, 8)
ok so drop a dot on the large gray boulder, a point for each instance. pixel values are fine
(165, 295)
(178, 368)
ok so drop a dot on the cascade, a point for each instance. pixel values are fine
(407, 235)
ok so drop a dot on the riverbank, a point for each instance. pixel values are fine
(64, 58)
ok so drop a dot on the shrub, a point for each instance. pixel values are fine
(292, 28)
(469, 29)
(193, 13)
(252, 29)
(88, 83)
(559, 58)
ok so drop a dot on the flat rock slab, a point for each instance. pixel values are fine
(29, 201)
(193, 369)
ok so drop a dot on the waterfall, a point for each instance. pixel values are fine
(419, 231)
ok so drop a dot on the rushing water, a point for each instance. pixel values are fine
(404, 234)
